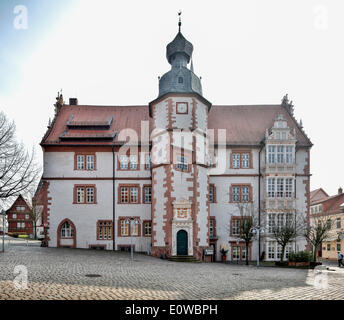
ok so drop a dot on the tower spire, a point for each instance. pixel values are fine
(180, 19)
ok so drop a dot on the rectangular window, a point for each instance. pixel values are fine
(212, 232)
(245, 160)
(124, 162)
(27, 216)
(85, 162)
(329, 247)
(245, 194)
(339, 247)
(90, 162)
(147, 228)
(236, 160)
(211, 193)
(271, 187)
(129, 194)
(134, 195)
(124, 223)
(124, 195)
(288, 187)
(135, 228)
(80, 195)
(236, 253)
(280, 221)
(18, 225)
(14, 216)
(147, 195)
(280, 154)
(280, 182)
(104, 230)
(288, 249)
(271, 250)
(271, 222)
(289, 154)
(339, 223)
(133, 162)
(236, 227)
(90, 195)
(148, 162)
(243, 253)
(236, 194)
(271, 154)
(279, 251)
(80, 162)
(329, 224)
(85, 194)
(289, 219)
(182, 163)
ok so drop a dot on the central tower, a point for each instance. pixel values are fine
(180, 180)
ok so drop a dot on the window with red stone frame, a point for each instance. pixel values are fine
(147, 228)
(85, 161)
(241, 159)
(129, 194)
(212, 227)
(147, 194)
(128, 162)
(104, 230)
(85, 194)
(212, 193)
(240, 193)
(123, 228)
(236, 224)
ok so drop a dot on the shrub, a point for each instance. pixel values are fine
(301, 256)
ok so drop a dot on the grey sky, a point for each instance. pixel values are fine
(247, 52)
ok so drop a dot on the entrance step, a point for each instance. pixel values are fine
(183, 259)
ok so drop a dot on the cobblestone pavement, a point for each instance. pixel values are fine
(61, 274)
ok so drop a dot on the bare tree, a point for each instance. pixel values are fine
(317, 231)
(35, 214)
(248, 220)
(18, 168)
(286, 229)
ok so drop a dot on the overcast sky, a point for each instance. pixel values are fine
(112, 52)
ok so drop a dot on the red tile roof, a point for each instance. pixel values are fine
(318, 195)
(245, 125)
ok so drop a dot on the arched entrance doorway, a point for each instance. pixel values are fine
(66, 234)
(182, 243)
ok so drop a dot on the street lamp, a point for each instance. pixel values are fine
(257, 230)
(132, 221)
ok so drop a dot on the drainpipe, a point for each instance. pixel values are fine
(259, 175)
(113, 199)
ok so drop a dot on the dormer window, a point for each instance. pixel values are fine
(180, 80)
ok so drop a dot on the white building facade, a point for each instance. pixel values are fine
(171, 177)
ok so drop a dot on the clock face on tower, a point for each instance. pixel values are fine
(182, 107)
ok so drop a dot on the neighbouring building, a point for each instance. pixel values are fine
(3, 224)
(330, 208)
(19, 217)
(177, 168)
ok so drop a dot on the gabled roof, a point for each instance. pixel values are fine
(15, 203)
(245, 125)
(318, 195)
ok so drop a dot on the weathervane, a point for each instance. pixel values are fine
(180, 19)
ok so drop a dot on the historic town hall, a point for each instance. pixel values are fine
(175, 176)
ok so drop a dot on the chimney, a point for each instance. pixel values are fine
(340, 190)
(73, 101)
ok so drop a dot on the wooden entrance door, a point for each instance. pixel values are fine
(182, 243)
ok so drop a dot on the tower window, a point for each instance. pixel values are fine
(180, 80)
